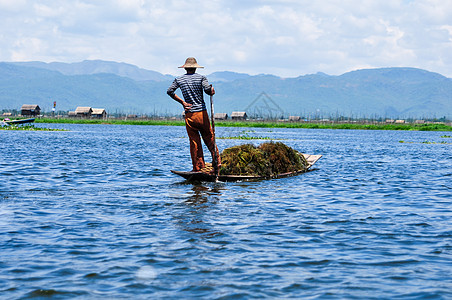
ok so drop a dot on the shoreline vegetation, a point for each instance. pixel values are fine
(259, 124)
(28, 128)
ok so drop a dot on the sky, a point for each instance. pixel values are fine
(287, 38)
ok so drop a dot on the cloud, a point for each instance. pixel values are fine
(284, 37)
(12, 5)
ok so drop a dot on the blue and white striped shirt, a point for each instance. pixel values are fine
(192, 86)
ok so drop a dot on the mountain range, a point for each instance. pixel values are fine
(125, 88)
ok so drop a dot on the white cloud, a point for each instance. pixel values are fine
(23, 47)
(284, 37)
(12, 5)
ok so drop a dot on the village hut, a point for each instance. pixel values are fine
(99, 113)
(30, 110)
(83, 112)
(294, 118)
(399, 121)
(239, 115)
(72, 114)
(221, 116)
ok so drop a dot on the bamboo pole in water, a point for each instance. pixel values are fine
(214, 156)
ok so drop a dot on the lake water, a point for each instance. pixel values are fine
(94, 212)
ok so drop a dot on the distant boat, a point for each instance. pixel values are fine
(16, 122)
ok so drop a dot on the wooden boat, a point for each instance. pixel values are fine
(17, 122)
(201, 176)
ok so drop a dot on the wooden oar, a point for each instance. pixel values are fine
(214, 157)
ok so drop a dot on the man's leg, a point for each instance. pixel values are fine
(207, 136)
(197, 155)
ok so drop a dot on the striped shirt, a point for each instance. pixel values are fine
(192, 86)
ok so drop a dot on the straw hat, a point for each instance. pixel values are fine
(191, 63)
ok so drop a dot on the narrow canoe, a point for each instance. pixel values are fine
(23, 121)
(201, 176)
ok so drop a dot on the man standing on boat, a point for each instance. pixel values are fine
(197, 121)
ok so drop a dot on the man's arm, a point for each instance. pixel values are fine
(186, 105)
(208, 88)
(171, 92)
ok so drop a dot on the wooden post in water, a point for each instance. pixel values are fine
(214, 157)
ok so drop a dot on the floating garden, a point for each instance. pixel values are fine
(260, 124)
(27, 128)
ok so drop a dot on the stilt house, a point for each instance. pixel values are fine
(83, 112)
(294, 118)
(30, 110)
(220, 116)
(239, 115)
(99, 113)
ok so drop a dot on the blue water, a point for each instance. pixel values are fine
(94, 213)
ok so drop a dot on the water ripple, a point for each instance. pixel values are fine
(94, 212)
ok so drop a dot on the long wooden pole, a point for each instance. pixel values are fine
(214, 157)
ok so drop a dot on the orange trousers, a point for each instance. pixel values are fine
(197, 123)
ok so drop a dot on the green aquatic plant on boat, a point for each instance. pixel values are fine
(243, 160)
(282, 158)
(266, 160)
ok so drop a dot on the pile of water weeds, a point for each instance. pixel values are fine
(266, 160)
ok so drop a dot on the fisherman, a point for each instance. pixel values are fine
(197, 122)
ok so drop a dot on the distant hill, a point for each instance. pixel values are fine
(118, 87)
(227, 76)
(89, 67)
(28, 85)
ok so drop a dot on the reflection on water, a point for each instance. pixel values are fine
(198, 204)
(202, 193)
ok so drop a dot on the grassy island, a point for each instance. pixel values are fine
(259, 124)
(28, 128)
